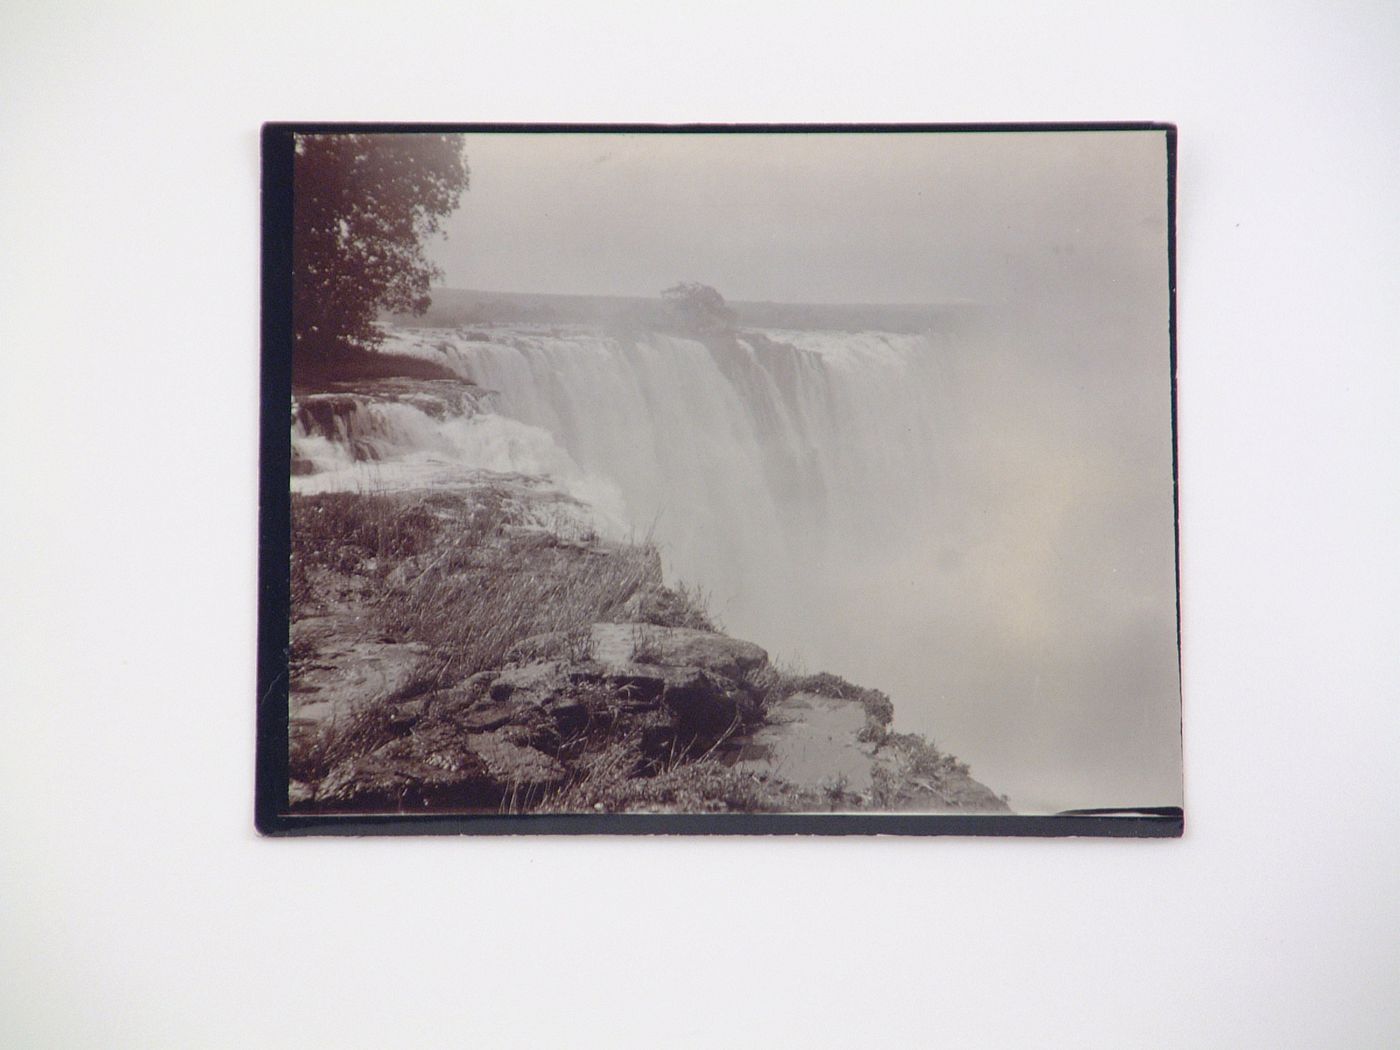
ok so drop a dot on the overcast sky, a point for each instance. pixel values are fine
(915, 217)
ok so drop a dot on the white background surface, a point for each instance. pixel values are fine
(139, 909)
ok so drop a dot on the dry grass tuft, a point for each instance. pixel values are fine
(609, 784)
(464, 575)
(315, 752)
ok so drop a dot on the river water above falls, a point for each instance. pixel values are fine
(931, 515)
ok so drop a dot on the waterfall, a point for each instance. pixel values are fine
(764, 466)
(942, 515)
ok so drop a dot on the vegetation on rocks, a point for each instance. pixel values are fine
(481, 649)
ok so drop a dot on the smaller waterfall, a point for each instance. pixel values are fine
(412, 434)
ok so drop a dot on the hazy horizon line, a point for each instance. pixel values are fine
(657, 297)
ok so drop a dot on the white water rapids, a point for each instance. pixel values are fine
(890, 507)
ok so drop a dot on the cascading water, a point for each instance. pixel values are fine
(835, 493)
(766, 467)
(412, 434)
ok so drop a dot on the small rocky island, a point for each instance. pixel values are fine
(475, 647)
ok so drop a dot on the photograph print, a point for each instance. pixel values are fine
(719, 479)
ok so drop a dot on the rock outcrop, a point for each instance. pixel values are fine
(628, 644)
(514, 737)
(612, 715)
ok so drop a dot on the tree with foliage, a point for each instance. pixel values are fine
(699, 309)
(363, 205)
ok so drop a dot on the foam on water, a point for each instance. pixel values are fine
(367, 442)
